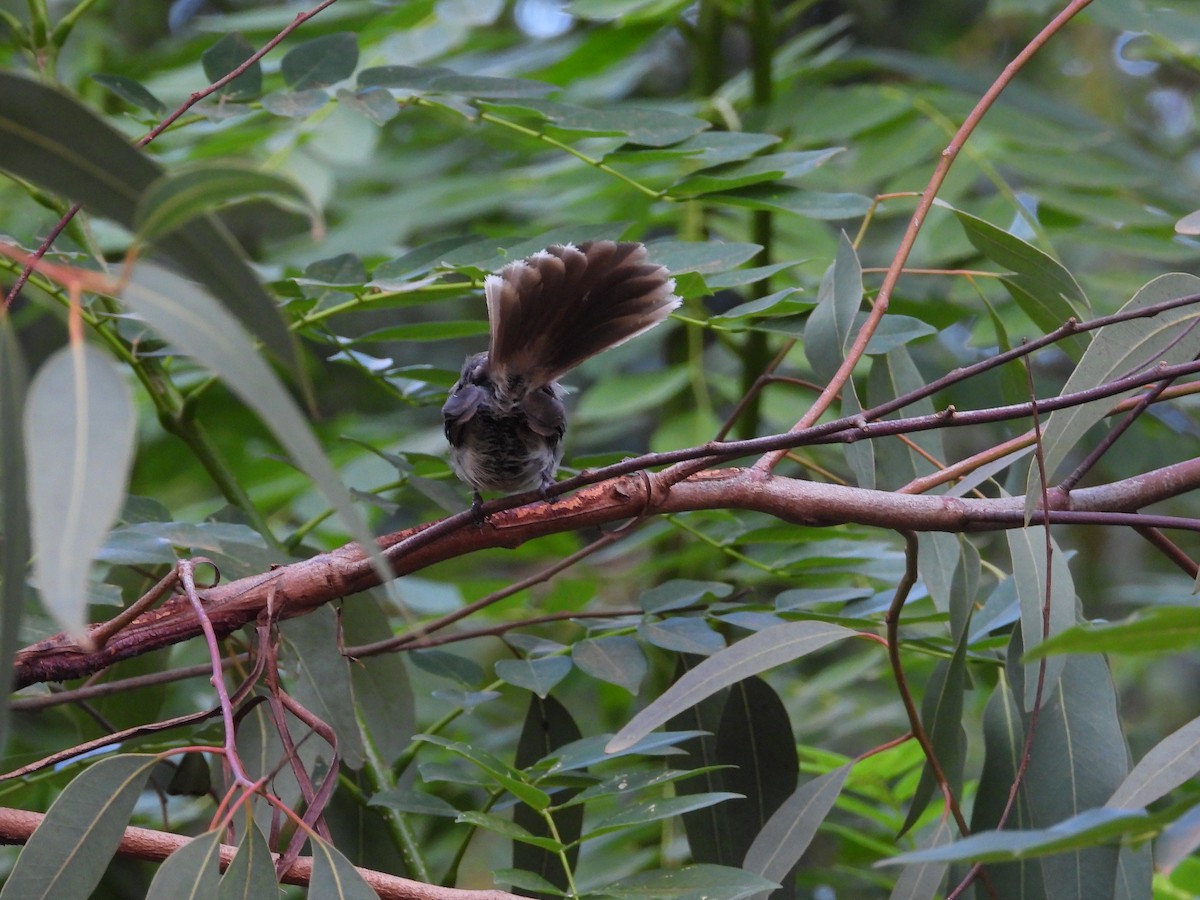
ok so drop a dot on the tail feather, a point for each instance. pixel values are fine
(550, 312)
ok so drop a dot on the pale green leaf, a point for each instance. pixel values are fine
(79, 441)
(321, 61)
(1027, 548)
(617, 659)
(231, 51)
(1167, 765)
(190, 873)
(334, 877)
(251, 874)
(537, 675)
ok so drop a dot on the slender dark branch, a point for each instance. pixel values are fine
(1170, 550)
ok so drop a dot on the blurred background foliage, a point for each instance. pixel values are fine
(741, 139)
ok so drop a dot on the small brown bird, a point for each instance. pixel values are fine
(505, 418)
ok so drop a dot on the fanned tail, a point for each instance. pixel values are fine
(553, 310)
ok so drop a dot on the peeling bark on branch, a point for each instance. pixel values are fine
(295, 589)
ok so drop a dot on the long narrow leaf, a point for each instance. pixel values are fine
(15, 549)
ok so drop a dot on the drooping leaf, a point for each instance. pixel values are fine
(772, 167)
(227, 54)
(617, 659)
(438, 80)
(703, 880)
(791, 829)
(829, 331)
(1120, 349)
(680, 592)
(548, 726)
(652, 127)
(186, 194)
(920, 881)
(16, 548)
(251, 874)
(39, 140)
(321, 61)
(1151, 630)
(538, 675)
(334, 877)
(201, 328)
(1168, 764)
(66, 856)
(190, 873)
(1027, 548)
(133, 92)
(770, 647)
(383, 693)
(79, 433)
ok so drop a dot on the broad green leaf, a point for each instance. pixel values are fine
(79, 434)
(537, 675)
(942, 717)
(1150, 630)
(67, 855)
(700, 256)
(132, 92)
(893, 375)
(199, 327)
(506, 776)
(321, 677)
(426, 331)
(15, 548)
(39, 140)
(1121, 349)
(421, 803)
(1083, 831)
(766, 649)
(334, 877)
(617, 659)
(784, 302)
(652, 127)
(466, 672)
(320, 62)
(383, 695)
(699, 882)
(682, 634)
(509, 829)
(921, 880)
(680, 592)
(708, 148)
(894, 331)
(548, 726)
(1027, 548)
(226, 55)
(295, 104)
(251, 874)
(1178, 841)
(625, 395)
(757, 744)
(1044, 289)
(532, 884)
(190, 873)
(810, 204)
(591, 750)
(785, 837)
(438, 80)
(830, 329)
(186, 194)
(1168, 764)
(771, 167)
(655, 810)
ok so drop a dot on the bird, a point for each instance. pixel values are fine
(505, 417)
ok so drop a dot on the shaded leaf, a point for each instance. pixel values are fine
(699, 882)
(682, 634)
(771, 167)
(15, 548)
(79, 433)
(657, 809)
(830, 328)
(186, 194)
(226, 55)
(680, 592)
(1150, 630)
(921, 880)
(321, 61)
(770, 647)
(334, 877)
(251, 874)
(190, 873)
(537, 675)
(617, 659)
(653, 127)
(1027, 547)
(39, 140)
(438, 80)
(1168, 764)
(132, 92)
(67, 855)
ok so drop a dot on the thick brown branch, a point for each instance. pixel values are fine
(16, 825)
(303, 586)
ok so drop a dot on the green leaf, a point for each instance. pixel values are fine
(548, 726)
(15, 548)
(652, 127)
(770, 647)
(656, 809)
(682, 634)
(700, 256)
(334, 877)
(617, 659)
(513, 780)
(190, 873)
(1027, 547)
(1044, 289)
(226, 55)
(201, 328)
(1167, 765)
(426, 331)
(699, 882)
(321, 680)
(810, 204)
(1086, 830)
(295, 104)
(508, 829)
(421, 803)
(132, 92)
(680, 592)
(830, 329)
(1170, 337)
(321, 61)
(187, 194)
(79, 439)
(39, 140)
(437, 80)
(466, 672)
(251, 874)
(920, 881)
(790, 830)
(626, 395)
(537, 675)
(708, 148)
(66, 856)
(1151, 630)
(941, 717)
(383, 693)
(771, 167)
